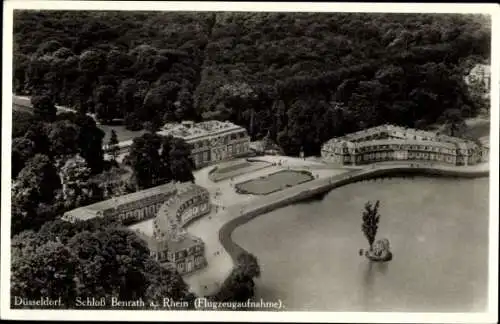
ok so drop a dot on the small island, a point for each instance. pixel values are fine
(380, 250)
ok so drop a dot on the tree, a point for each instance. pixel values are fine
(145, 161)
(63, 137)
(89, 143)
(132, 122)
(113, 148)
(50, 271)
(22, 122)
(404, 68)
(125, 95)
(453, 121)
(163, 282)
(111, 183)
(158, 101)
(239, 285)
(76, 186)
(370, 222)
(95, 258)
(44, 108)
(33, 193)
(38, 134)
(23, 149)
(105, 101)
(248, 265)
(38, 180)
(181, 166)
(151, 127)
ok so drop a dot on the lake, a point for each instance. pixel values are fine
(437, 227)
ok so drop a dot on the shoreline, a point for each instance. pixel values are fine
(323, 186)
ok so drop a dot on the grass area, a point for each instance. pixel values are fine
(122, 133)
(477, 128)
(235, 168)
(273, 182)
(226, 168)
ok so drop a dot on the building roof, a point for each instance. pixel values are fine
(480, 70)
(90, 211)
(190, 131)
(185, 242)
(428, 138)
(81, 213)
(167, 214)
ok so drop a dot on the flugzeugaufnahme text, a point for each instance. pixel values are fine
(199, 303)
(204, 303)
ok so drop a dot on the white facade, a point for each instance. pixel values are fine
(394, 143)
(211, 141)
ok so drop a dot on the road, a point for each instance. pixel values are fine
(23, 103)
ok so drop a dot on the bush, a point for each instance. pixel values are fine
(240, 286)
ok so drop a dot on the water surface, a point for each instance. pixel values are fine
(438, 229)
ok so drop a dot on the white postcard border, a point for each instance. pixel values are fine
(7, 313)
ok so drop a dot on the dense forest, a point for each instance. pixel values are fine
(309, 77)
(95, 258)
(141, 66)
(302, 78)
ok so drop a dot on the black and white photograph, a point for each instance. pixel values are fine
(224, 161)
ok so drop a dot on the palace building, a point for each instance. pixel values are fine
(134, 207)
(172, 206)
(394, 143)
(211, 141)
(480, 73)
(170, 243)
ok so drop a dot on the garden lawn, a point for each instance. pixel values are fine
(273, 182)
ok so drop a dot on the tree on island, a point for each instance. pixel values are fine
(370, 222)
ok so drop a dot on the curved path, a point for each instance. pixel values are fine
(318, 186)
(216, 229)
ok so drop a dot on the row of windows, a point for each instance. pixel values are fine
(401, 146)
(414, 148)
(168, 255)
(225, 139)
(388, 153)
(189, 266)
(140, 214)
(206, 156)
(144, 202)
(189, 211)
(394, 156)
(187, 252)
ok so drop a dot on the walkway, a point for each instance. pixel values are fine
(215, 230)
(25, 102)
